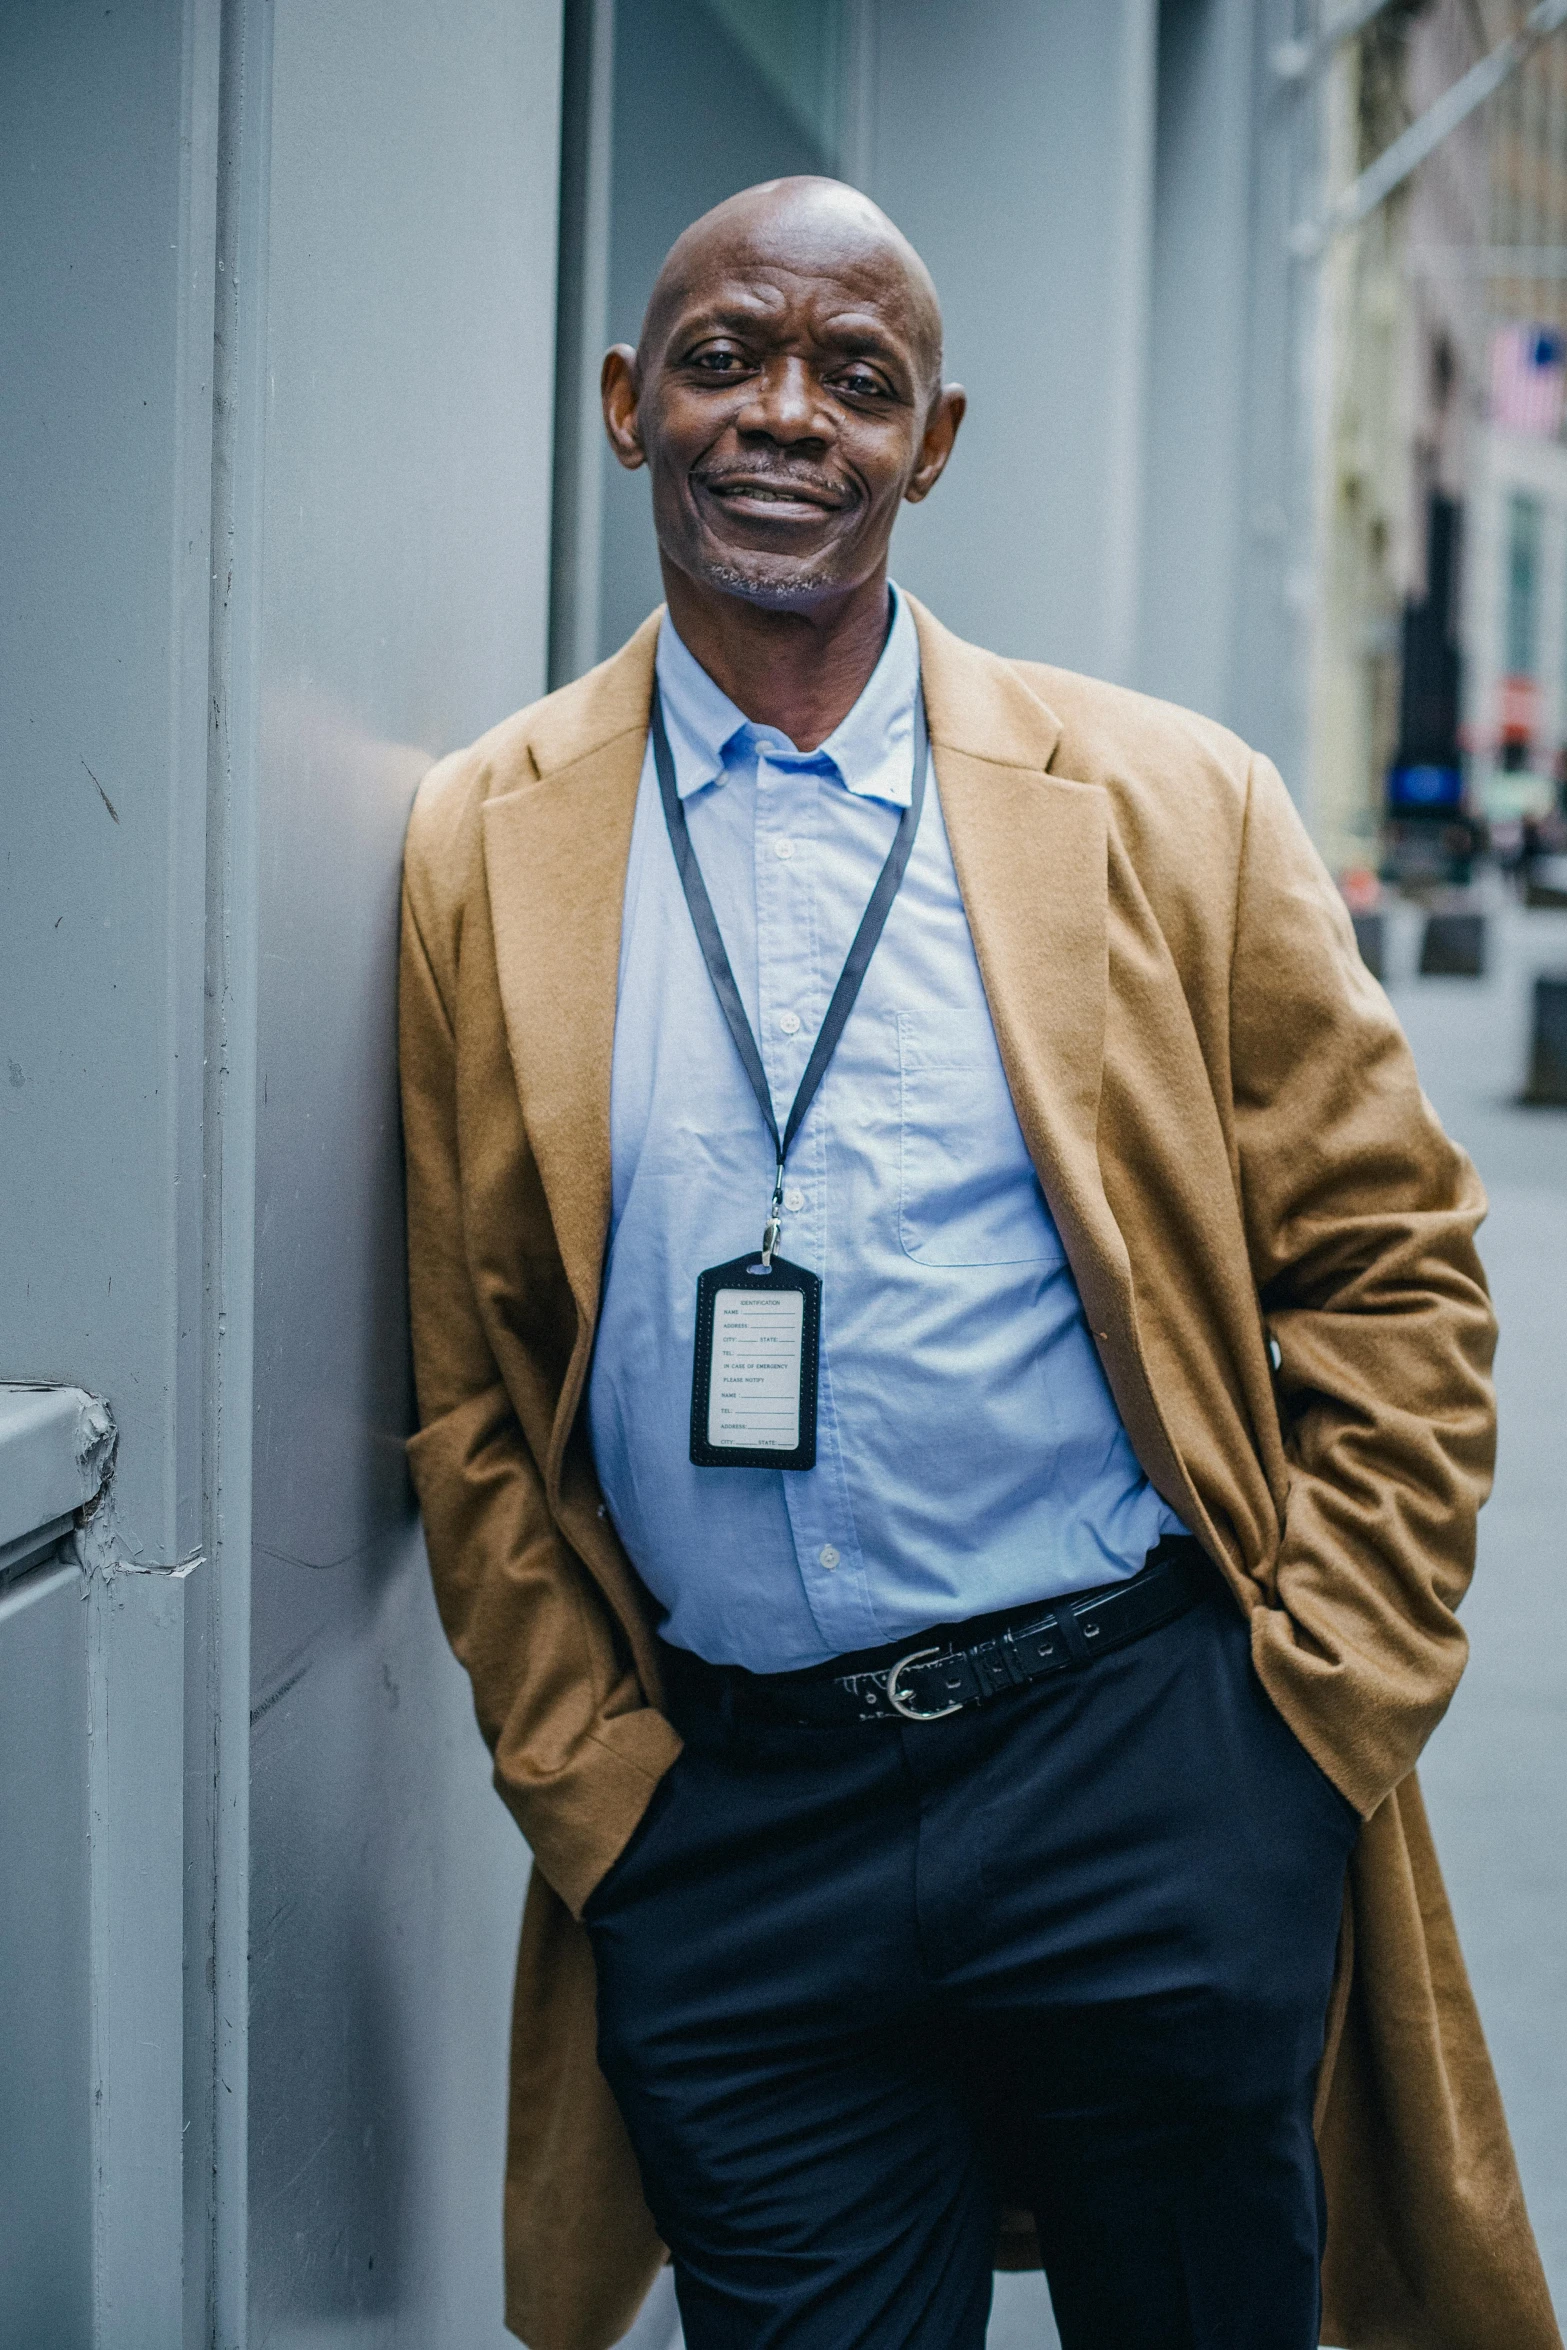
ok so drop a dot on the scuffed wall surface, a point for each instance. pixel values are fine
(405, 535)
(104, 500)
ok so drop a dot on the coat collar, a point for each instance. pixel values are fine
(1030, 851)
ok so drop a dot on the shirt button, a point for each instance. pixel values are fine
(794, 1201)
(783, 848)
(828, 1555)
(789, 1022)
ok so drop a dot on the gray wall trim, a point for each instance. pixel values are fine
(136, 1628)
(218, 1897)
(38, 1590)
(857, 130)
(190, 571)
(1271, 641)
(1127, 321)
(136, 1696)
(582, 332)
(1197, 348)
(56, 1447)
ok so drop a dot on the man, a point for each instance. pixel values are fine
(953, 1379)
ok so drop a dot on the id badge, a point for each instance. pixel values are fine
(753, 1390)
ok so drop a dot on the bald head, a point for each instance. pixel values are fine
(786, 398)
(805, 226)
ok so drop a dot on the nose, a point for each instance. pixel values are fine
(785, 405)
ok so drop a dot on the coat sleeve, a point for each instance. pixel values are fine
(577, 1750)
(1360, 1217)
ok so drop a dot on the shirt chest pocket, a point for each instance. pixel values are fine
(968, 1194)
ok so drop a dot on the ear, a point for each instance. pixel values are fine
(618, 392)
(941, 430)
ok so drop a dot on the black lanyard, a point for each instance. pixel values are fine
(710, 939)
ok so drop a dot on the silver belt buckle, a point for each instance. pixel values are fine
(901, 1705)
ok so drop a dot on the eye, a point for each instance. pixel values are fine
(862, 382)
(720, 359)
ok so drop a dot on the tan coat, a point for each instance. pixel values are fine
(1228, 1129)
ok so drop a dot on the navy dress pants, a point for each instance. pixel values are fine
(860, 1986)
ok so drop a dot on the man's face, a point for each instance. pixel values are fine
(786, 401)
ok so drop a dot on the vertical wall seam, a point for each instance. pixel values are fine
(1127, 390)
(238, 436)
(582, 323)
(189, 664)
(856, 159)
(100, 1975)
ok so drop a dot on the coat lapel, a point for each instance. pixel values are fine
(555, 854)
(1030, 849)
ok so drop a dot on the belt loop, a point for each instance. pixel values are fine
(1076, 1640)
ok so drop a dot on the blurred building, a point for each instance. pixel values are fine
(1440, 661)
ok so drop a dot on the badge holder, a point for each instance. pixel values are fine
(753, 1395)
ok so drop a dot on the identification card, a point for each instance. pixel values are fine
(753, 1393)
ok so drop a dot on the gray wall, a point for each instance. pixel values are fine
(1014, 144)
(108, 125)
(46, 2145)
(1229, 520)
(105, 276)
(403, 547)
(1197, 413)
(276, 384)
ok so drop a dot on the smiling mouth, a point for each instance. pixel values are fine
(793, 497)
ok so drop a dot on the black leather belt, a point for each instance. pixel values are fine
(942, 1673)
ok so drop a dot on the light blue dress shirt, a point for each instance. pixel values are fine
(969, 1455)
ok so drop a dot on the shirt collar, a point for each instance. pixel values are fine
(871, 752)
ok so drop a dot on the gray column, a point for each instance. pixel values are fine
(277, 373)
(1229, 512)
(108, 188)
(1194, 519)
(1014, 142)
(404, 266)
